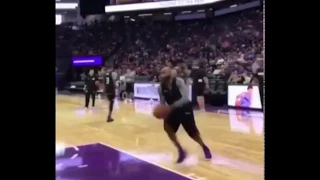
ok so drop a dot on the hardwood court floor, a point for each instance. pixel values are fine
(238, 149)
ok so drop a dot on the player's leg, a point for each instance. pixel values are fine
(189, 124)
(200, 97)
(131, 91)
(111, 98)
(87, 99)
(261, 91)
(171, 126)
(93, 95)
(127, 91)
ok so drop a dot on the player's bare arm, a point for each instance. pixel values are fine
(183, 88)
(114, 77)
(162, 100)
(206, 81)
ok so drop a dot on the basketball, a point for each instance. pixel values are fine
(161, 111)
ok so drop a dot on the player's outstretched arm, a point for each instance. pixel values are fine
(183, 88)
(114, 77)
(161, 97)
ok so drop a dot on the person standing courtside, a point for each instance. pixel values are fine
(183, 72)
(200, 84)
(129, 79)
(110, 77)
(174, 92)
(90, 87)
(258, 75)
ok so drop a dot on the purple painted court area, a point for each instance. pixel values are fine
(100, 162)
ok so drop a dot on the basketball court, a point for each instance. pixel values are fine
(135, 147)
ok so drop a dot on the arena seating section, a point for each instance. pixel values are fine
(229, 43)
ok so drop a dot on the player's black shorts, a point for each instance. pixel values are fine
(129, 87)
(198, 89)
(91, 91)
(111, 96)
(185, 117)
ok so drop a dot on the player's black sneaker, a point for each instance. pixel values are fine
(110, 119)
(182, 156)
(207, 153)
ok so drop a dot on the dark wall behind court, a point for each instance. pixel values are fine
(88, 7)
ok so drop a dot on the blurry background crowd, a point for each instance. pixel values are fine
(229, 46)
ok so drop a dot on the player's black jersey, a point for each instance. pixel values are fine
(197, 76)
(90, 82)
(171, 95)
(109, 83)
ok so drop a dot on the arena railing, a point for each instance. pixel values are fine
(220, 93)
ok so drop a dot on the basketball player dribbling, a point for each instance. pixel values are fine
(110, 89)
(174, 92)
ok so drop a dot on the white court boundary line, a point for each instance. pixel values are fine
(76, 148)
(126, 152)
(160, 166)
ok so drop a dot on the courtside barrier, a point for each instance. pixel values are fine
(237, 95)
(244, 96)
(150, 91)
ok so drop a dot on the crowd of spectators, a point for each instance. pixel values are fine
(229, 45)
(99, 38)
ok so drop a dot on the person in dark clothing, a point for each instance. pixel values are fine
(200, 84)
(174, 92)
(90, 87)
(110, 78)
(258, 77)
(241, 79)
